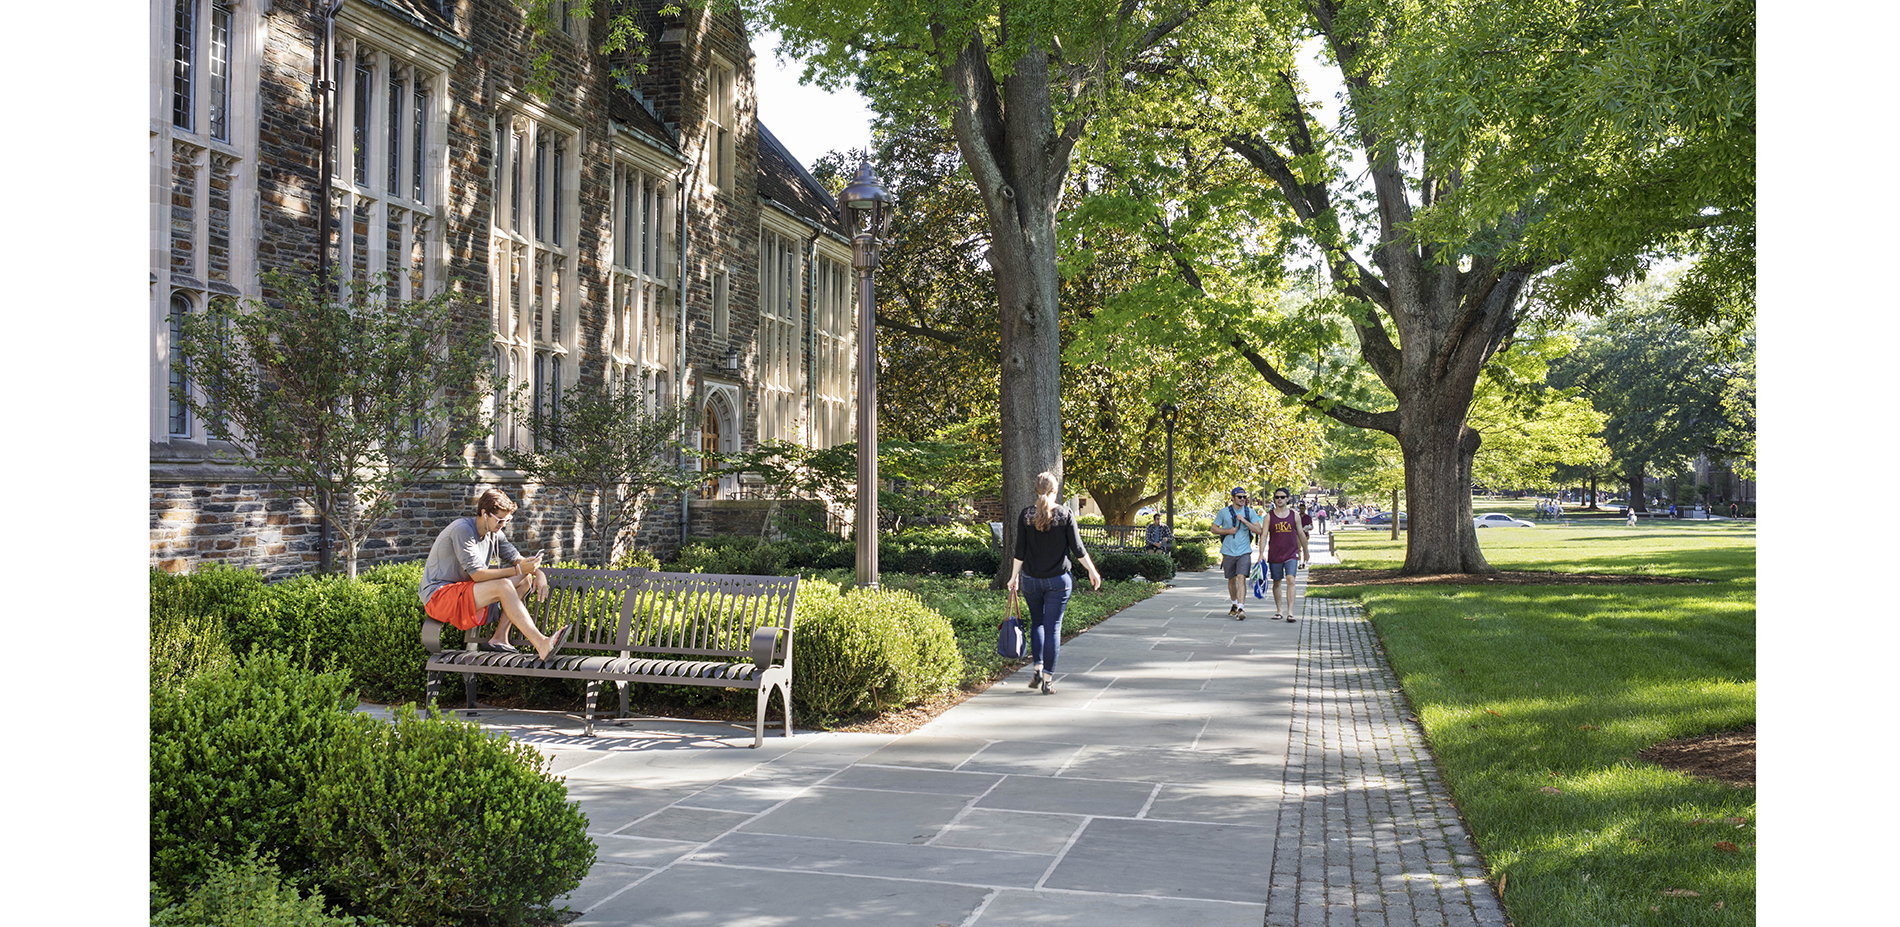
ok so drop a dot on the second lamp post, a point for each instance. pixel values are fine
(867, 212)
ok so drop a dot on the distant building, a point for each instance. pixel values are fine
(658, 234)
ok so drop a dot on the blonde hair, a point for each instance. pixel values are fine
(1046, 489)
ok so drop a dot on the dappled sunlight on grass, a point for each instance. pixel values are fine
(1537, 699)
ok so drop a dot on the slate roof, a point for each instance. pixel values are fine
(787, 184)
(624, 107)
(425, 14)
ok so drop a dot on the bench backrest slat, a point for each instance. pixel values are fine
(701, 613)
(589, 601)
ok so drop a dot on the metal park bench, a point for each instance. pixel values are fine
(693, 629)
(1121, 537)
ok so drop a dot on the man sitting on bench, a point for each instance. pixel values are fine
(1160, 536)
(458, 585)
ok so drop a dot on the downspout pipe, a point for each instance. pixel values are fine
(324, 85)
(679, 331)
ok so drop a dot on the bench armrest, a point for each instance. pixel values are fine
(764, 642)
(431, 635)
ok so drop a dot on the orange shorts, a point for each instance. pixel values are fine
(454, 604)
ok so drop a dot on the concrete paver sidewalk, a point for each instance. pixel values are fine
(1190, 769)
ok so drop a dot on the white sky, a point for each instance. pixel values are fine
(809, 121)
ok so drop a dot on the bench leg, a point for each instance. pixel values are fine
(765, 698)
(431, 688)
(758, 723)
(468, 689)
(626, 696)
(593, 698)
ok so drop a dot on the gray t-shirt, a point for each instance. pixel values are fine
(459, 552)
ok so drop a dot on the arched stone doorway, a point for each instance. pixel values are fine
(718, 433)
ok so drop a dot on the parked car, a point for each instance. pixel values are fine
(1385, 518)
(1499, 520)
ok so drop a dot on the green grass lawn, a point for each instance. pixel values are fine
(1536, 700)
(975, 610)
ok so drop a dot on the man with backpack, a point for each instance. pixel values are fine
(1237, 524)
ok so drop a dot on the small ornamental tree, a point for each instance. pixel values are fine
(600, 451)
(344, 401)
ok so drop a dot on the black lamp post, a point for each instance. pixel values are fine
(1169, 413)
(867, 212)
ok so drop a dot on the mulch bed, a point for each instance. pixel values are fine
(1342, 576)
(1728, 756)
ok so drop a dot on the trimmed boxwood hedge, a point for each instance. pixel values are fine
(867, 650)
(916, 552)
(1122, 565)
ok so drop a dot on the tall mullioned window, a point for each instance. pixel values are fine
(833, 327)
(643, 317)
(780, 353)
(533, 262)
(721, 116)
(203, 169)
(384, 218)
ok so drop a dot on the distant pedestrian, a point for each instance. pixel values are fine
(1632, 518)
(1238, 524)
(1046, 534)
(1306, 531)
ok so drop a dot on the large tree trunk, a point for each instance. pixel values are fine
(1120, 503)
(1007, 135)
(1633, 484)
(1438, 452)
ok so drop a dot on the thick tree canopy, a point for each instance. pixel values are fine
(1661, 385)
(1487, 165)
(1017, 83)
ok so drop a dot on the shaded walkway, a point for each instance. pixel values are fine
(1189, 770)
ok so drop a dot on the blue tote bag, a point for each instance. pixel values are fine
(1010, 642)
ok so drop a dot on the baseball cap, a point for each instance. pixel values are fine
(1239, 491)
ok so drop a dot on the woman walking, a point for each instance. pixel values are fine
(1046, 534)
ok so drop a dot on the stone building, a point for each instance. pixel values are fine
(655, 233)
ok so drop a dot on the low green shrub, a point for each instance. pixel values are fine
(736, 556)
(983, 561)
(916, 559)
(251, 892)
(432, 821)
(1190, 555)
(238, 600)
(1123, 565)
(232, 752)
(184, 645)
(868, 649)
(939, 535)
(950, 561)
(837, 555)
(637, 558)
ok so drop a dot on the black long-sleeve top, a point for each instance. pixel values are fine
(1046, 553)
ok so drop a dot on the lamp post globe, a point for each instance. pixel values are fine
(867, 209)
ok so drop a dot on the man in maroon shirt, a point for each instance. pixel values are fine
(1284, 540)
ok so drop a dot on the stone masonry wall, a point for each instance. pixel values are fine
(251, 525)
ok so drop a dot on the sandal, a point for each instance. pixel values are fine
(554, 644)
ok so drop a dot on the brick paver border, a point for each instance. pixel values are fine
(1368, 834)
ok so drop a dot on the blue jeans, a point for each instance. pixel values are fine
(1045, 600)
